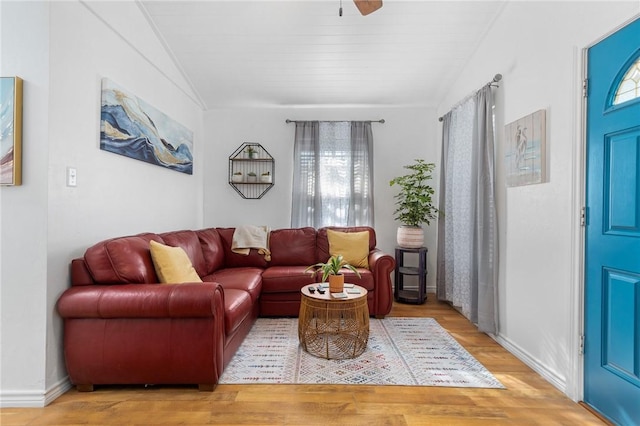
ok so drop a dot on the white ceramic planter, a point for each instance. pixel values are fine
(410, 236)
(252, 179)
(265, 178)
(236, 178)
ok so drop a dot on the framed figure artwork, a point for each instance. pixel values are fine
(526, 145)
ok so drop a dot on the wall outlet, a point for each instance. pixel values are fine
(72, 176)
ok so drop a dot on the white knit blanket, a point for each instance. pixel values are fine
(246, 237)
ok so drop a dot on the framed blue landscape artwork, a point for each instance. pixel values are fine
(131, 127)
(10, 131)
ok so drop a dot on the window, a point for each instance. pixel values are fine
(629, 88)
(333, 170)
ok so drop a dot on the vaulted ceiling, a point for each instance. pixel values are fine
(302, 53)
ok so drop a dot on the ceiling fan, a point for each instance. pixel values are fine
(368, 6)
(365, 6)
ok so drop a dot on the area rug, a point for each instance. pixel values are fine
(400, 351)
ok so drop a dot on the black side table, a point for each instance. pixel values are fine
(411, 296)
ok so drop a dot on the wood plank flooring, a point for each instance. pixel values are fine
(528, 399)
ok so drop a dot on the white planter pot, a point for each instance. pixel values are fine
(265, 179)
(252, 179)
(236, 178)
(410, 237)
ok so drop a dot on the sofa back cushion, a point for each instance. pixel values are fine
(235, 260)
(190, 243)
(212, 249)
(293, 247)
(122, 260)
(322, 242)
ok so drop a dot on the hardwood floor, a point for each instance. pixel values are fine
(528, 399)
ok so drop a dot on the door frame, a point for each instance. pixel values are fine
(575, 381)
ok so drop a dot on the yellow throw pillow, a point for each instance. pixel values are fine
(172, 264)
(353, 246)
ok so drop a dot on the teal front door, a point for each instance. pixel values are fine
(612, 277)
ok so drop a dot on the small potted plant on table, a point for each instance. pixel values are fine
(331, 269)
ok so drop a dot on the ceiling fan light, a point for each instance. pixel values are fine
(368, 6)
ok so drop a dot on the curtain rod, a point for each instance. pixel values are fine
(492, 83)
(335, 121)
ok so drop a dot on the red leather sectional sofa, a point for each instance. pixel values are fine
(122, 327)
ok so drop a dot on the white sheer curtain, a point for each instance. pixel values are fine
(333, 174)
(467, 240)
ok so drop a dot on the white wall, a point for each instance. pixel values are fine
(23, 219)
(537, 47)
(407, 134)
(63, 49)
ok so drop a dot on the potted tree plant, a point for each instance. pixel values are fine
(331, 269)
(414, 204)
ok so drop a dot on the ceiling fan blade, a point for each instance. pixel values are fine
(368, 6)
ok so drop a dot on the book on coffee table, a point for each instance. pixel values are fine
(326, 285)
(339, 295)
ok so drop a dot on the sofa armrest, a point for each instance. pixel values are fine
(189, 300)
(381, 265)
(381, 260)
(144, 333)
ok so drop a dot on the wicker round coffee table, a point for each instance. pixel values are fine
(331, 327)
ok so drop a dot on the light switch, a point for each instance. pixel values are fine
(72, 176)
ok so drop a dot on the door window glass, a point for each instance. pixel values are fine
(630, 85)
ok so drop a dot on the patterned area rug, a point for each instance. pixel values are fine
(401, 351)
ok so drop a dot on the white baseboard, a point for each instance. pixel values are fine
(56, 390)
(548, 375)
(34, 399)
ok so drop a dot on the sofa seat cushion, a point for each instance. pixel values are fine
(280, 305)
(247, 279)
(285, 279)
(237, 307)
